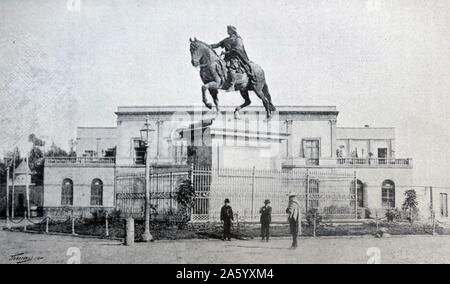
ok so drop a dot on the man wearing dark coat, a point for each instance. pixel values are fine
(266, 219)
(294, 218)
(226, 216)
(235, 55)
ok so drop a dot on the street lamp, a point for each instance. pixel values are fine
(146, 133)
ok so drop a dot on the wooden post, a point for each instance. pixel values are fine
(314, 224)
(376, 219)
(25, 221)
(191, 177)
(355, 181)
(431, 198)
(12, 190)
(237, 221)
(433, 218)
(73, 223)
(106, 225)
(46, 225)
(27, 189)
(129, 232)
(253, 193)
(307, 190)
(7, 197)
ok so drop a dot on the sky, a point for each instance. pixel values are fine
(65, 64)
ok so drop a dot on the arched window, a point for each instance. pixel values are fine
(313, 194)
(67, 192)
(97, 192)
(388, 194)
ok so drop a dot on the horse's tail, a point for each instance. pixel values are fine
(268, 97)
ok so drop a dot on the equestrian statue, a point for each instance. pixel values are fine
(235, 72)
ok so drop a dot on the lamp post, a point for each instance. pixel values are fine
(146, 138)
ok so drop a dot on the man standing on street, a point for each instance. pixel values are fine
(266, 219)
(226, 216)
(293, 212)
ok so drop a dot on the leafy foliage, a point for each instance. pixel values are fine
(392, 214)
(310, 214)
(185, 194)
(185, 198)
(410, 205)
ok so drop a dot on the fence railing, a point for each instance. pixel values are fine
(384, 162)
(331, 192)
(79, 160)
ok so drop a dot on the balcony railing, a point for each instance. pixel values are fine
(350, 162)
(164, 160)
(383, 162)
(79, 160)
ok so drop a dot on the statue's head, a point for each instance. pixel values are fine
(195, 52)
(231, 30)
(201, 51)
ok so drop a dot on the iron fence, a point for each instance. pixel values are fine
(330, 191)
(130, 193)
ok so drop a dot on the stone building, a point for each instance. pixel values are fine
(298, 137)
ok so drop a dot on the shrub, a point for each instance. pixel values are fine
(410, 205)
(367, 213)
(310, 217)
(184, 196)
(392, 214)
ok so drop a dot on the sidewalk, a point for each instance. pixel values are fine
(53, 249)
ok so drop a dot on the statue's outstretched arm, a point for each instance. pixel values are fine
(215, 45)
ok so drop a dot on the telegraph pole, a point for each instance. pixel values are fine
(7, 195)
(13, 178)
(27, 187)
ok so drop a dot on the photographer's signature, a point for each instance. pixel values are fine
(19, 258)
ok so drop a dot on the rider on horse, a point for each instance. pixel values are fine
(235, 56)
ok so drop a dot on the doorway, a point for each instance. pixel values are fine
(382, 155)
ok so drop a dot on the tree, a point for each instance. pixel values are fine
(36, 162)
(3, 172)
(410, 204)
(15, 153)
(184, 196)
(56, 151)
(36, 141)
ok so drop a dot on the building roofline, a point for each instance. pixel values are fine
(95, 127)
(193, 108)
(362, 127)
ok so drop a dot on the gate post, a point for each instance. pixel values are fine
(355, 182)
(307, 191)
(253, 193)
(129, 232)
(73, 223)
(191, 178)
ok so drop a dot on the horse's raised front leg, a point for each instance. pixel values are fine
(205, 100)
(212, 87)
(214, 93)
(246, 103)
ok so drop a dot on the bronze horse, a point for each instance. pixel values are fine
(214, 73)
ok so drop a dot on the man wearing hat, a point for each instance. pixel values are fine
(226, 216)
(293, 212)
(266, 219)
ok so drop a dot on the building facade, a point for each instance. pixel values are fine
(299, 137)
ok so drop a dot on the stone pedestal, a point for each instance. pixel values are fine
(220, 143)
